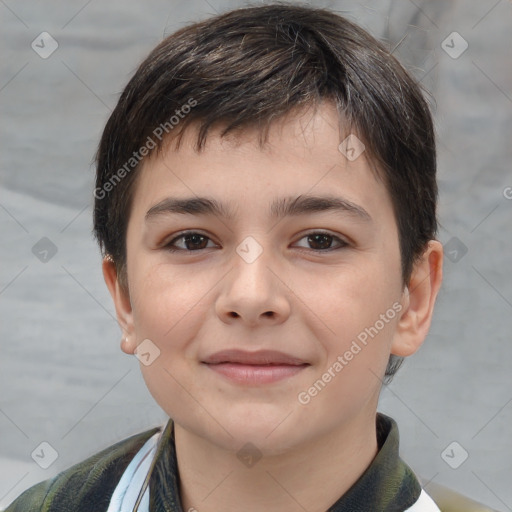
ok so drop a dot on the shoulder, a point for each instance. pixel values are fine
(85, 486)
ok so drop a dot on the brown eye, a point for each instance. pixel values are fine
(190, 241)
(323, 242)
(320, 241)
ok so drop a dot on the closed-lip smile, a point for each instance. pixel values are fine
(252, 368)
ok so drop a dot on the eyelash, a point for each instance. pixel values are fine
(186, 234)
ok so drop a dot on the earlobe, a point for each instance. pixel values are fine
(419, 299)
(122, 304)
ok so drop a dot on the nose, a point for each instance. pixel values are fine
(253, 293)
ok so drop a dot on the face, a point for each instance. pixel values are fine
(271, 317)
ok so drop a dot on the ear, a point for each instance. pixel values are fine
(122, 304)
(418, 301)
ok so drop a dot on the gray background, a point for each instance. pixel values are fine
(63, 378)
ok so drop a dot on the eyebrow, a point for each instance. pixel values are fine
(281, 207)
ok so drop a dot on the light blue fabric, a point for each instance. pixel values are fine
(127, 491)
(424, 504)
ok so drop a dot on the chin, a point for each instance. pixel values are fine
(272, 428)
(253, 439)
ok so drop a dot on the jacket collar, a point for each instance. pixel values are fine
(388, 485)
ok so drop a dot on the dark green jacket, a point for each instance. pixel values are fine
(388, 485)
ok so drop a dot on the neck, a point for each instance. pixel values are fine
(311, 477)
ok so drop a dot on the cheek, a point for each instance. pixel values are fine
(355, 297)
(168, 311)
(165, 302)
(355, 314)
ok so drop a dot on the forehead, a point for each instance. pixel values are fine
(305, 152)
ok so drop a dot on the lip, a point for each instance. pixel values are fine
(260, 357)
(260, 367)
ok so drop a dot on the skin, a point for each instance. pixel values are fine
(309, 304)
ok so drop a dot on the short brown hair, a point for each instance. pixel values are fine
(250, 66)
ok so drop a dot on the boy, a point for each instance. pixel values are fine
(266, 206)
